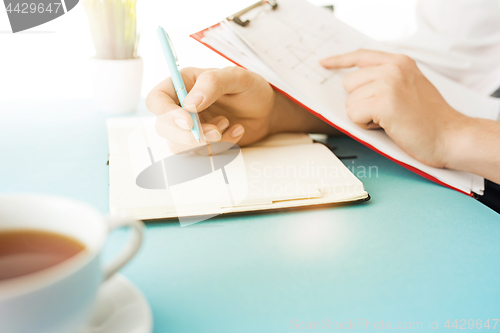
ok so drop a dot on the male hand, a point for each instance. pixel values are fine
(234, 105)
(390, 92)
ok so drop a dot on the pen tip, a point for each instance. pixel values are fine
(199, 141)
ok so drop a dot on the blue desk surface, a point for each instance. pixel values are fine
(415, 252)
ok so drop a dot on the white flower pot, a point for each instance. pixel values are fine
(116, 84)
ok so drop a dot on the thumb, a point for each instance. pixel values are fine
(193, 100)
(210, 85)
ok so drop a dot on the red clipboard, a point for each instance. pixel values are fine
(199, 36)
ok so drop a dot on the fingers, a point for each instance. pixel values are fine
(163, 98)
(175, 127)
(212, 132)
(364, 105)
(225, 132)
(233, 134)
(371, 88)
(211, 85)
(361, 93)
(205, 86)
(362, 113)
(362, 77)
(160, 100)
(363, 58)
(372, 125)
(167, 126)
(217, 130)
(221, 122)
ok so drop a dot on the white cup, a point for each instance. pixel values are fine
(116, 84)
(59, 299)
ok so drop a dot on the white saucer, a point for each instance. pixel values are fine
(120, 308)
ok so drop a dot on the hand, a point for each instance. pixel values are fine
(389, 91)
(234, 105)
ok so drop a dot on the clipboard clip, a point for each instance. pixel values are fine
(236, 18)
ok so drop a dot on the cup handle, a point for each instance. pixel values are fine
(130, 249)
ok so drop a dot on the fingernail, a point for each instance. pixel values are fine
(237, 131)
(223, 124)
(182, 124)
(194, 97)
(189, 107)
(212, 135)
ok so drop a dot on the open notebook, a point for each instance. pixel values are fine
(283, 171)
(285, 45)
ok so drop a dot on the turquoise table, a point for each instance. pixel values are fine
(415, 252)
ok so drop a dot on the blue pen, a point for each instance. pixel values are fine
(180, 88)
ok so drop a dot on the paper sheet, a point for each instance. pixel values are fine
(285, 46)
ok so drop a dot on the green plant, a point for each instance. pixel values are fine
(113, 25)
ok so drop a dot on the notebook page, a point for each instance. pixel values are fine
(124, 141)
(303, 34)
(297, 172)
(129, 139)
(189, 198)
